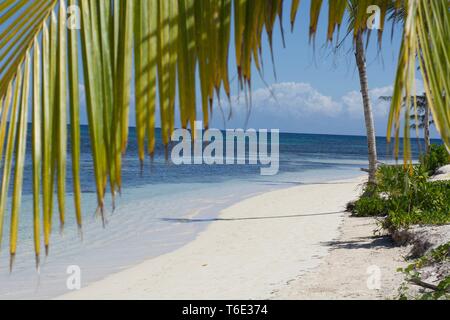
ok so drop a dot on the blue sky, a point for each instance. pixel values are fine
(316, 90)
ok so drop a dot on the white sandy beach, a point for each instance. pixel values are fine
(278, 245)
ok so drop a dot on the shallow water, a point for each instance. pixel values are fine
(151, 217)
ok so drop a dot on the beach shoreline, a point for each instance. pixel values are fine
(241, 255)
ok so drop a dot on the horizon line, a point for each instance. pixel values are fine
(299, 133)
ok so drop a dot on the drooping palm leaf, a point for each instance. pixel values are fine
(21, 143)
(37, 147)
(164, 41)
(74, 97)
(425, 43)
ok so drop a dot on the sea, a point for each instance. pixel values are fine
(161, 208)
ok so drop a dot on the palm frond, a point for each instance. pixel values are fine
(425, 43)
(165, 42)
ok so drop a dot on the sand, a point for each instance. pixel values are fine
(294, 243)
(361, 266)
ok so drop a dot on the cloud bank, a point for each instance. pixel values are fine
(299, 107)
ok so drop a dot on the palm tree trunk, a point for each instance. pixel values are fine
(368, 115)
(426, 129)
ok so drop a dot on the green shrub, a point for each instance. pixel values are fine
(398, 219)
(436, 158)
(392, 179)
(424, 203)
(405, 197)
(373, 206)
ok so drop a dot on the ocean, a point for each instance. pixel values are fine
(152, 215)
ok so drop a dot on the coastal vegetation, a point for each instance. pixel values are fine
(404, 196)
(414, 274)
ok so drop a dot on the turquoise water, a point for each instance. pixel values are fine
(146, 222)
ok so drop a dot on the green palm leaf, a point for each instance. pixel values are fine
(425, 43)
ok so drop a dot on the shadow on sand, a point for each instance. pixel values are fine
(178, 220)
(363, 243)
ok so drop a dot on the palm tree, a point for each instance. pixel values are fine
(423, 119)
(360, 56)
(162, 43)
(421, 116)
(368, 114)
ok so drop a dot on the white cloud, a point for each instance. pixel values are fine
(353, 103)
(299, 107)
(298, 99)
(301, 100)
(288, 100)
